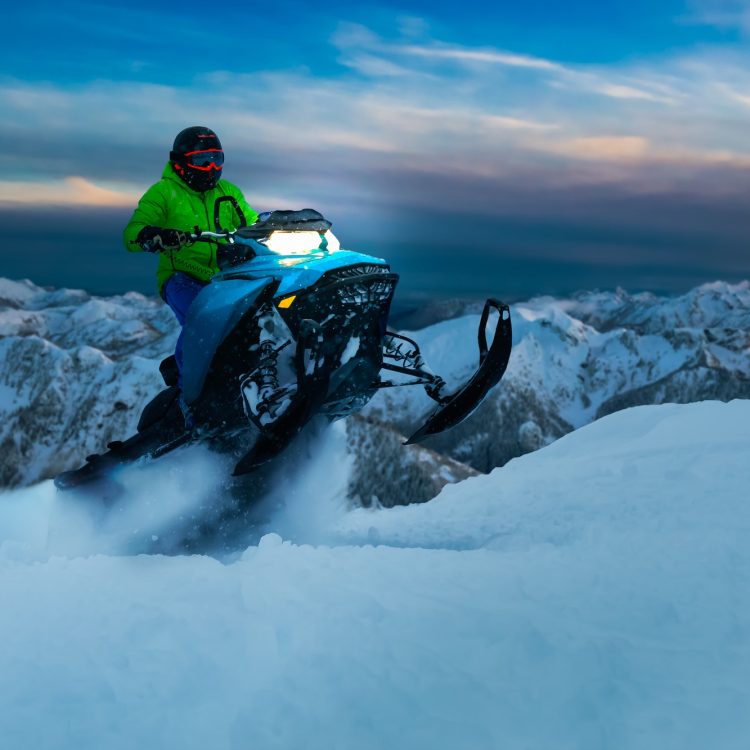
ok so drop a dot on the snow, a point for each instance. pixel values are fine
(8, 398)
(713, 305)
(594, 594)
(17, 293)
(352, 347)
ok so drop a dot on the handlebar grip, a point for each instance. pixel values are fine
(198, 234)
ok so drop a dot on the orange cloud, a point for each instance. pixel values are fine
(72, 191)
(597, 148)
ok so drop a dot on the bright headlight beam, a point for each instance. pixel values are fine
(301, 243)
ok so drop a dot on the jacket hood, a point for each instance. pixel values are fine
(169, 174)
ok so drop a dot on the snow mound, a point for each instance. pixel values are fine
(594, 594)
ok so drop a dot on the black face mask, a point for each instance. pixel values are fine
(199, 180)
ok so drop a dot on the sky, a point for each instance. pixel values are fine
(508, 149)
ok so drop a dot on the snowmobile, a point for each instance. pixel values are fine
(291, 327)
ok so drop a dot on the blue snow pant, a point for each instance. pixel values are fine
(179, 293)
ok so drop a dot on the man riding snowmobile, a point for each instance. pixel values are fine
(183, 202)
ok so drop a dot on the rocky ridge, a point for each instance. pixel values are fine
(75, 371)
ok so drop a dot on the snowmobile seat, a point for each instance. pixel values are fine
(168, 369)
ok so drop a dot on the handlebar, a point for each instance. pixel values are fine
(226, 235)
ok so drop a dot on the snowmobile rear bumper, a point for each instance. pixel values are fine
(493, 361)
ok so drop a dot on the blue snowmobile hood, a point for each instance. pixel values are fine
(220, 306)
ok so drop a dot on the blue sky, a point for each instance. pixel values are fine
(526, 147)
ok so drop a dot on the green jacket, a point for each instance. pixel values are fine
(171, 204)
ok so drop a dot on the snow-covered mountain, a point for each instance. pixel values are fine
(593, 594)
(75, 371)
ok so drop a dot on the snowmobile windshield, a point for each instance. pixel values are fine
(301, 243)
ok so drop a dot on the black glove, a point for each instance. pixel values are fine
(156, 239)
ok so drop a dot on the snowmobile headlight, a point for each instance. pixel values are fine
(301, 243)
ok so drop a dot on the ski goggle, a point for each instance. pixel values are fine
(212, 158)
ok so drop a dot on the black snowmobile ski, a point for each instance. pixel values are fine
(403, 356)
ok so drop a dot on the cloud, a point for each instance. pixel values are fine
(409, 104)
(599, 148)
(618, 91)
(459, 120)
(722, 14)
(73, 191)
(737, 96)
(365, 51)
(374, 66)
(622, 91)
(494, 57)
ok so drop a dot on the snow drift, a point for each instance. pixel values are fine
(594, 594)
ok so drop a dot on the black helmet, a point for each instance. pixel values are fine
(198, 158)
